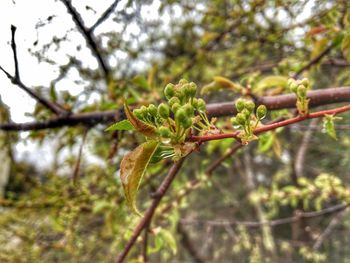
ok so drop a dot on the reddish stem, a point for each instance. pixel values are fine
(272, 126)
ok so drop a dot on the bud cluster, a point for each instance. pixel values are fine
(174, 118)
(300, 88)
(246, 119)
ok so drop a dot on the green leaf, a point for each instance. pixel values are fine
(139, 125)
(271, 81)
(141, 82)
(345, 46)
(123, 125)
(328, 125)
(132, 168)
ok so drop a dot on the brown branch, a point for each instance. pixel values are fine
(272, 126)
(276, 222)
(314, 61)
(16, 80)
(334, 222)
(88, 37)
(165, 184)
(317, 98)
(77, 164)
(14, 50)
(104, 16)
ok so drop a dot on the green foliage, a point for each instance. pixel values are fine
(300, 88)
(123, 125)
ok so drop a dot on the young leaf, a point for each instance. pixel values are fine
(123, 125)
(139, 125)
(132, 168)
(328, 125)
(271, 81)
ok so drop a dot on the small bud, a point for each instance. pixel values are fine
(291, 81)
(250, 105)
(169, 91)
(138, 113)
(305, 82)
(192, 89)
(240, 118)
(164, 132)
(173, 100)
(189, 110)
(234, 121)
(246, 113)
(301, 92)
(152, 110)
(163, 110)
(201, 105)
(181, 116)
(240, 104)
(261, 112)
(293, 87)
(187, 123)
(183, 82)
(175, 107)
(195, 103)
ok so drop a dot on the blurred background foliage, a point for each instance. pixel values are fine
(258, 44)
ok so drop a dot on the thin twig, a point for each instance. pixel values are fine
(145, 243)
(88, 37)
(77, 164)
(16, 80)
(104, 16)
(187, 244)
(14, 50)
(150, 211)
(276, 222)
(331, 226)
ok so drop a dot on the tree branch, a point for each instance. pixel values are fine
(88, 37)
(276, 222)
(150, 211)
(16, 80)
(317, 98)
(272, 126)
(104, 16)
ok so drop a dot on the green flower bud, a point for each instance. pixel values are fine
(138, 113)
(175, 107)
(250, 105)
(293, 87)
(241, 119)
(187, 123)
(173, 100)
(185, 90)
(169, 91)
(192, 89)
(305, 82)
(246, 113)
(189, 110)
(291, 81)
(301, 92)
(195, 103)
(181, 116)
(164, 132)
(234, 121)
(240, 103)
(163, 110)
(261, 112)
(201, 105)
(183, 82)
(152, 110)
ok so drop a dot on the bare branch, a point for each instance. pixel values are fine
(276, 222)
(77, 164)
(150, 211)
(88, 37)
(104, 16)
(14, 50)
(16, 80)
(317, 98)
